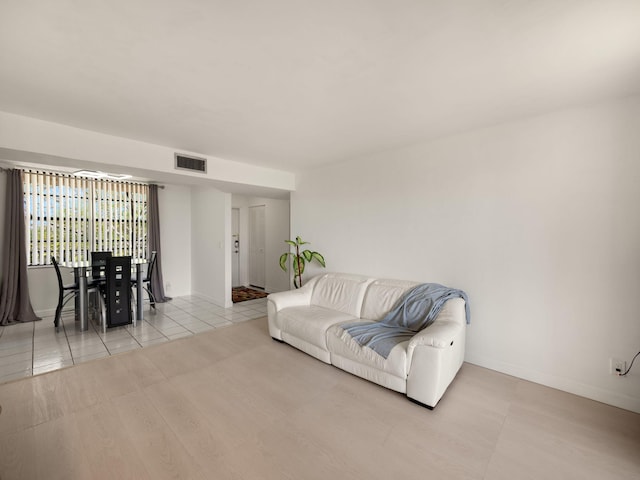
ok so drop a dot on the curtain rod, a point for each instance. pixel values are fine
(6, 169)
(45, 171)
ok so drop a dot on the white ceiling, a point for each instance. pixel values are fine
(294, 84)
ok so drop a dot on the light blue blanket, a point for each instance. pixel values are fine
(414, 312)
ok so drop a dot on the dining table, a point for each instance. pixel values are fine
(82, 269)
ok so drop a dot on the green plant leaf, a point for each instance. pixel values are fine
(299, 259)
(319, 258)
(283, 261)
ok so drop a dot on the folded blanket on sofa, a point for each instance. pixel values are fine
(415, 311)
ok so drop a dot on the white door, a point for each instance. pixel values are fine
(235, 247)
(257, 246)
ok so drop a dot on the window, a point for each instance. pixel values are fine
(69, 217)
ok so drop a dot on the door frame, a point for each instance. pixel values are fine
(251, 232)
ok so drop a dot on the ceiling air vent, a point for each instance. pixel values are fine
(194, 164)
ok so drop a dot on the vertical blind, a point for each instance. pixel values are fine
(68, 217)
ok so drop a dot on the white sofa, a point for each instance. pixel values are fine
(310, 319)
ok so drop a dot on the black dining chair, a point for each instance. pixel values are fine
(146, 281)
(65, 293)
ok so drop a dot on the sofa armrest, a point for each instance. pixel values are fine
(435, 354)
(438, 335)
(292, 298)
(442, 332)
(281, 300)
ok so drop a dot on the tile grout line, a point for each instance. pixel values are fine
(33, 347)
(73, 361)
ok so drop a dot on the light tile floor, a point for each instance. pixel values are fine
(32, 348)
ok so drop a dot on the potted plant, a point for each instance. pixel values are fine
(299, 259)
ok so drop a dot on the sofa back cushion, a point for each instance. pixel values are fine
(382, 295)
(341, 292)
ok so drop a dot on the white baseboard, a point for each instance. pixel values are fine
(615, 399)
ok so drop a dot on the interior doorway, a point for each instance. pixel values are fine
(257, 246)
(268, 219)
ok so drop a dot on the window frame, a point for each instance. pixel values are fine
(62, 213)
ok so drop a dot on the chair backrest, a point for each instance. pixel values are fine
(58, 274)
(152, 263)
(99, 264)
(118, 291)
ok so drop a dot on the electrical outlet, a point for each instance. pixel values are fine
(617, 366)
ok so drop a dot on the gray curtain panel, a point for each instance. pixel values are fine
(153, 217)
(15, 304)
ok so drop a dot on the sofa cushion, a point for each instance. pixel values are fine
(340, 343)
(340, 292)
(311, 323)
(382, 295)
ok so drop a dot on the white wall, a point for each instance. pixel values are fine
(29, 138)
(277, 213)
(174, 203)
(537, 220)
(277, 220)
(210, 245)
